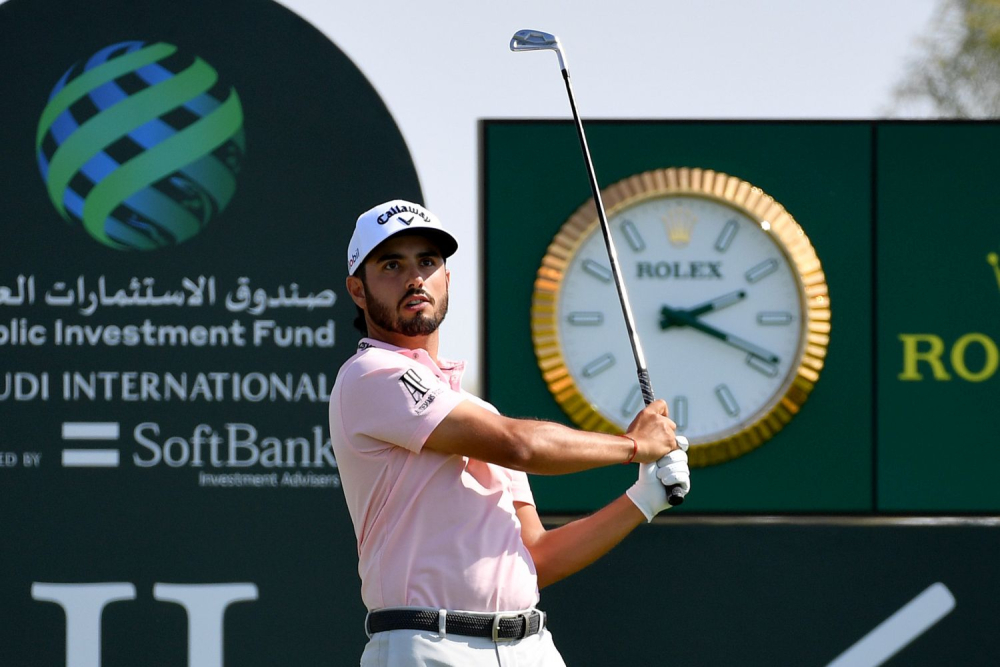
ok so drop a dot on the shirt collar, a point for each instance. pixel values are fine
(444, 366)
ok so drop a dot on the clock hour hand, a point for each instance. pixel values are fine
(717, 303)
(670, 316)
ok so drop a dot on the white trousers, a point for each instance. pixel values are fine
(418, 648)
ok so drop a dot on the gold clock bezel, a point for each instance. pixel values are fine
(745, 198)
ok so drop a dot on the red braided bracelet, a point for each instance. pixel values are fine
(635, 448)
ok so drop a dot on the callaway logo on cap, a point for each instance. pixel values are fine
(394, 217)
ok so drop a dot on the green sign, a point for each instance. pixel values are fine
(786, 593)
(899, 217)
(179, 183)
(938, 309)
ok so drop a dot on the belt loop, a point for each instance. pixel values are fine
(367, 631)
(442, 622)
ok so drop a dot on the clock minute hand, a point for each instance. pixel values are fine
(668, 316)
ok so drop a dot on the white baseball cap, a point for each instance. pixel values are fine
(394, 217)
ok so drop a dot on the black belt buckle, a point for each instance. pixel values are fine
(499, 617)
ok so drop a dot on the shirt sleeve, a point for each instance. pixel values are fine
(520, 489)
(389, 398)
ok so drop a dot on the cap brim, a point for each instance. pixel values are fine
(445, 242)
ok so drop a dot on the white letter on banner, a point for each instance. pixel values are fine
(206, 605)
(83, 604)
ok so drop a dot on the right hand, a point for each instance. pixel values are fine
(673, 470)
(653, 432)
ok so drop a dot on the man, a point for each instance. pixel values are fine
(451, 549)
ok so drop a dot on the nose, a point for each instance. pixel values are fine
(415, 281)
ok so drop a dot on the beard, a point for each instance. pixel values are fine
(418, 325)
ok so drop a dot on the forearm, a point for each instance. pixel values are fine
(554, 449)
(563, 551)
(547, 448)
(537, 447)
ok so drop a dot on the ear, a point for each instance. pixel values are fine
(357, 290)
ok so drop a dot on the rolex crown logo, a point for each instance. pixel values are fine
(994, 260)
(679, 223)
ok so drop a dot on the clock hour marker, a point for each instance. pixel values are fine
(762, 270)
(766, 367)
(679, 413)
(635, 240)
(633, 403)
(727, 399)
(774, 318)
(599, 365)
(600, 272)
(586, 319)
(726, 236)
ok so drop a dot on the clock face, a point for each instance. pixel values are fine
(725, 305)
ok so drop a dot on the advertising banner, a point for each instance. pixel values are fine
(938, 287)
(180, 181)
(817, 302)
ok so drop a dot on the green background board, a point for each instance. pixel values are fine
(312, 123)
(534, 180)
(938, 204)
(799, 593)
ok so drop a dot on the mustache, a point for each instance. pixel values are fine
(416, 292)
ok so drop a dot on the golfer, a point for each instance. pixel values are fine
(451, 550)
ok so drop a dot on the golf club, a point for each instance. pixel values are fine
(536, 40)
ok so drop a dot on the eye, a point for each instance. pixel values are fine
(391, 265)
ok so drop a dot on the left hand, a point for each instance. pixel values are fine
(649, 493)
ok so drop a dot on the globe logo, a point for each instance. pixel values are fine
(141, 145)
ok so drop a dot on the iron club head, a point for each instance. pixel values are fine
(536, 40)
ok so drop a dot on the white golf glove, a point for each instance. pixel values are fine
(649, 493)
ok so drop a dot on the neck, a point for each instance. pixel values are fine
(428, 343)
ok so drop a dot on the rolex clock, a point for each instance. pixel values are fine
(729, 299)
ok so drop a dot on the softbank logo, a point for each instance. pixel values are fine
(205, 605)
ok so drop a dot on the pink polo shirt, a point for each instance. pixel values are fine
(433, 530)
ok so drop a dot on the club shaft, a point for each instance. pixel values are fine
(640, 359)
(675, 495)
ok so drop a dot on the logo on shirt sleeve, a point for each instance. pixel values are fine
(414, 384)
(416, 387)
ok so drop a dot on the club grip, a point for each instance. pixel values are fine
(675, 494)
(645, 386)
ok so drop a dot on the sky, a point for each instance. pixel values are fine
(441, 66)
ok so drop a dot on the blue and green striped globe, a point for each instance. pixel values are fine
(141, 145)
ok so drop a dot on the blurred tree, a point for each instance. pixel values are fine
(956, 73)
